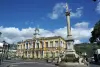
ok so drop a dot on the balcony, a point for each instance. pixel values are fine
(50, 48)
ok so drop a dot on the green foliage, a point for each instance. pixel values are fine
(95, 33)
(86, 47)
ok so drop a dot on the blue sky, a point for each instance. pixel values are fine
(23, 14)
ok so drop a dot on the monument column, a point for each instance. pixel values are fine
(70, 58)
(70, 40)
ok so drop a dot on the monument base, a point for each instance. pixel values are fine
(71, 59)
(71, 52)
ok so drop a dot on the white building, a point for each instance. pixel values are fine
(1, 46)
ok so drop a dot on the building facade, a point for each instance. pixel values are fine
(41, 47)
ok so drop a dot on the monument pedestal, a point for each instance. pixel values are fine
(70, 58)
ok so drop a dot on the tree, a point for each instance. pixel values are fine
(95, 33)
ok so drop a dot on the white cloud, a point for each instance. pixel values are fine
(59, 10)
(98, 8)
(82, 25)
(77, 41)
(80, 31)
(78, 12)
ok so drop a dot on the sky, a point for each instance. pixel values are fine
(18, 18)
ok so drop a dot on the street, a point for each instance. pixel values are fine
(31, 63)
(92, 65)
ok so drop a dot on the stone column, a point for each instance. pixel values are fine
(70, 40)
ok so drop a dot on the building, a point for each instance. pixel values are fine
(1, 48)
(41, 47)
(45, 47)
(4, 50)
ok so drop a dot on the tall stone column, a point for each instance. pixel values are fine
(70, 58)
(70, 40)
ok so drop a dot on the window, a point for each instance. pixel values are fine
(61, 44)
(47, 44)
(26, 45)
(33, 44)
(51, 43)
(42, 44)
(30, 44)
(56, 43)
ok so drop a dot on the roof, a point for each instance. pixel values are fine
(46, 38)
(43, 38)
(54, 37)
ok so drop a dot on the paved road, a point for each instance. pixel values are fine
(92, 65)
(39, 64)
(42, 65)
(31, 63)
